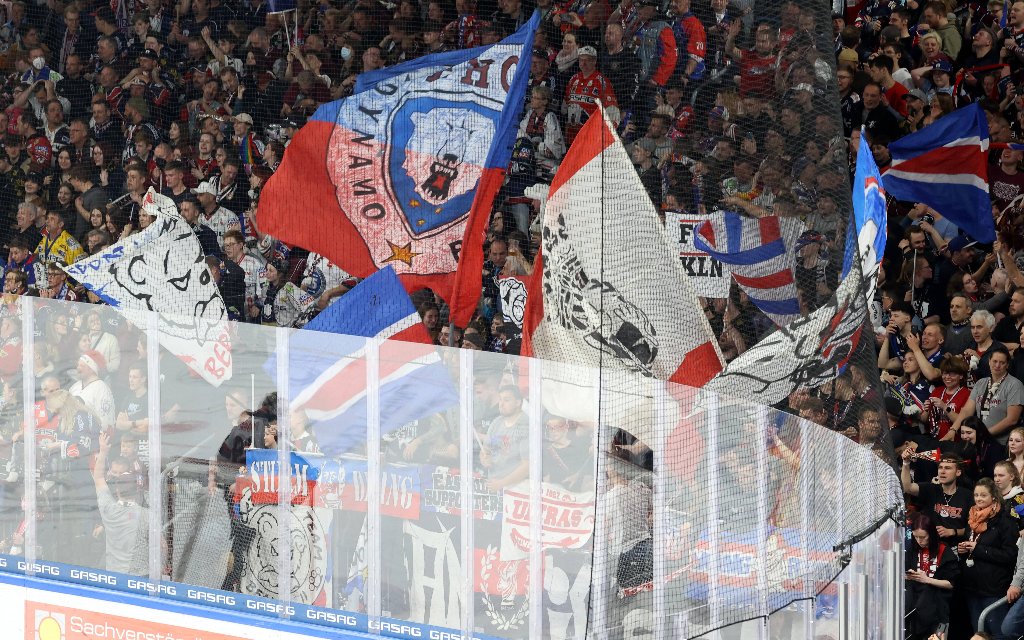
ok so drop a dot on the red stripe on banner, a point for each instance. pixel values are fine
(416, 333)
(770, 230)
(464, 286)
(947, 161)
(707, 230)
(534, 305)
(698, 367)
(340, 389)
(593, 138)
(773, 281)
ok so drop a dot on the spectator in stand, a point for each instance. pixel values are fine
(946, 503)
(997, 399)
(584, 90)
(979, 353)
(932, 570)
(987, 555)
(948, 399)
(92, 390)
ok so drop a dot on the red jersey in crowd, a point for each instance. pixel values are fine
(757, 73)
(581, 96)
(896, 96)
(691, 39)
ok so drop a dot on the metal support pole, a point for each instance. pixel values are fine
(28, 381)
(284, 480)
(375, 574)
(466, 442)
(153, 434)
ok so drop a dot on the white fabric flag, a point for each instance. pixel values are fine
(614, 292)
(807, 352)
(162, 269)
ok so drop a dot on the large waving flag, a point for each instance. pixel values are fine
(614, 293)
(868, 217)
(760, 255)
(162, 269)
(806, 353)
(404, 172)
(945, 166)
(328, 374)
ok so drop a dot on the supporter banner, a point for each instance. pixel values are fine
(404, 171)
(161, 269)
(442, 493)
(567, 520)
(744, 562)
(614, 295)
(709, 276)
(332, 483)
(306, 529)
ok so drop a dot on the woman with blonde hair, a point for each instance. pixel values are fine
(1007, 480)
(1015, 449)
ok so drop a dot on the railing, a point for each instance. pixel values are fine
(422, 518)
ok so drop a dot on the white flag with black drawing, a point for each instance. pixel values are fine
(162, 269)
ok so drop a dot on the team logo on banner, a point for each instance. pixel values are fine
(405, 161)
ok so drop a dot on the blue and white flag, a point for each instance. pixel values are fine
(760, 254)
(945, 166)
(328, 373)
(868, 217)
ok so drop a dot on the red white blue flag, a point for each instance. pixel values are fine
(760, 254)
(328, 373)
(404, 172)
(945, 166)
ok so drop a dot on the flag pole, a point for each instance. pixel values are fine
(913, 276)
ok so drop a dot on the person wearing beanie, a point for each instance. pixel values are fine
(91, 389)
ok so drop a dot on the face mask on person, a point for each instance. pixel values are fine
(39, 62)
(346, 53)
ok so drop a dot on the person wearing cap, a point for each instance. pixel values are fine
(92, 390)
(245, 139)
(917, 109)
(290, 126)
(584, 89)
(212, 215)
(656, 49)
(958, 256)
